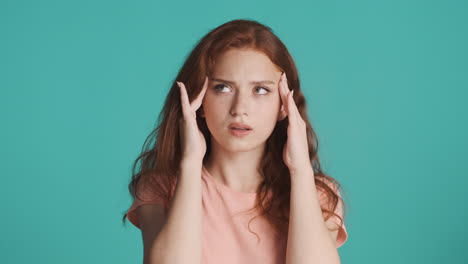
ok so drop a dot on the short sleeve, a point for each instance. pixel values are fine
(145, 196)
(342, 232)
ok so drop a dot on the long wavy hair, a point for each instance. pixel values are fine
(161, 152)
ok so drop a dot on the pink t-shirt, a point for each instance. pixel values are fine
(226, 237)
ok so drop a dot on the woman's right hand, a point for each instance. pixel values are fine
(192, 139)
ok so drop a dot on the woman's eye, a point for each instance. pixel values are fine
(267, 91)
(217, 87)
(220, 86)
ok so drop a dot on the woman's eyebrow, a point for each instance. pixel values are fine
(252, 82)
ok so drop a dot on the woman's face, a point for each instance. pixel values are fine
(233, 97)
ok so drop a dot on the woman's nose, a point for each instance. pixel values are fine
(240, 105)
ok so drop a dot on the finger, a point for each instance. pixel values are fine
(198, 101)
(292, 110)
(281, 90)
(282, 93)
(184, 100)
(296, 111)
(286, 92)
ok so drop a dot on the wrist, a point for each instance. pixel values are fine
(305, 172)
(190, 162)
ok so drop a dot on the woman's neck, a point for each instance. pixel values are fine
(238, 171)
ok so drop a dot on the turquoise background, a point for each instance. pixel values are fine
(82, 83)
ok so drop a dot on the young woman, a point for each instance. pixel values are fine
(233, 175)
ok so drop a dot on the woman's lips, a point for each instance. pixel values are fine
(239, 125)
(239, 132)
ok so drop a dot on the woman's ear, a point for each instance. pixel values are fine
(282, 113)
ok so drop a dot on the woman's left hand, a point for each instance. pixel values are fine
(296, 149)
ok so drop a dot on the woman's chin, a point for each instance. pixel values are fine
(240, 146)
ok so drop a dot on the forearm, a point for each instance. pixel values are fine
(309, 240)
(180, 239)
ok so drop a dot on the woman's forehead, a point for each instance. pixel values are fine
(251, 82)
(244, 62)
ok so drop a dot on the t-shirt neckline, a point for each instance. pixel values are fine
(225, 187)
